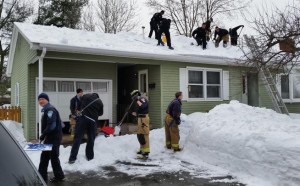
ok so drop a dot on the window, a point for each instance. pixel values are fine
(203, 84)
(66, 86)
(100, 86)
(289, 87)
(49, 86)
(85, 86)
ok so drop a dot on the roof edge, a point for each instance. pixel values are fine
(183, 58)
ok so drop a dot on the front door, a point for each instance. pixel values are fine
(252, 89)
(143, 82)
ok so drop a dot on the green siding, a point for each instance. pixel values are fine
(23, 55)
(72, 69)
(170, 84)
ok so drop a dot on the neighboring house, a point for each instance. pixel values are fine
(114, 65)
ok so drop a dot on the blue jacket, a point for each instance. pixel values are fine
(51, 125)
(174, 109)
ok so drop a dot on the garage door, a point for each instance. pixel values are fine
(61, 91)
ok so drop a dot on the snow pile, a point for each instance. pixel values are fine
(123, 41)
(257, 145)
(16, 130)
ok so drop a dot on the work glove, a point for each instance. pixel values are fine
(42, 137)
(243, 26)
(178, 121)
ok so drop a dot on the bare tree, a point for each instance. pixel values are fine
(116, 15)
(11, 11)
(88, 21)
(278, 39)
(187, 14)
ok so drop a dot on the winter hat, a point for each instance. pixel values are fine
(43, 95)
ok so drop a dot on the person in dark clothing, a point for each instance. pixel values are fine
(207, 28)
(199, 34)
(233, 34)
(164, 27)
(75, 106)
(154, 23)
(92, 108)
(172, 121)
(141, 112)
(223, 35)
(51, 134)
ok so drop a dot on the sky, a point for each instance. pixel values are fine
(228, 140)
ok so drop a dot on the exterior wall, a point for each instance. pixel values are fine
(170, 84)
(71, 69)
(23, 55)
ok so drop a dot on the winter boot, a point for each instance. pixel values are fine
(171, 48)
(55, 179)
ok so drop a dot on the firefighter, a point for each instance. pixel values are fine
(223, 35)
(92, 108)
(164, 27)
(75, 106)
(234, 35)
(207, 28)
(172, 121)
(141, 112)
(51, 134)
(199, 34)
(155, 20)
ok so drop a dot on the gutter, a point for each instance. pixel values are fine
(162, 57)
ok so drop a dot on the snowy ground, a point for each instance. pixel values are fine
(257, 146)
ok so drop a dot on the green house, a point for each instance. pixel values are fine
(60, 60)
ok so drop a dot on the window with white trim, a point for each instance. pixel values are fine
(289, 87)
(203, 84)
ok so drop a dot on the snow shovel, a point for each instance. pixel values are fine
(118, 126)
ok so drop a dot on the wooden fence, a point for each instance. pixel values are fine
(10, 113)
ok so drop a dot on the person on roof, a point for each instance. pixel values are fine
(233, 34)
(199, 34)
(207, 28)
(154, 23)
(223, 35)
(164, 27)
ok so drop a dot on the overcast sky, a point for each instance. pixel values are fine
(146, 13)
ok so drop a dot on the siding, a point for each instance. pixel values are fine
(170, 84)
(71, 69)
(23, 55)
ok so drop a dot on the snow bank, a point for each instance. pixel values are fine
(259, 146)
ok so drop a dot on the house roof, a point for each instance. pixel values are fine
(123, 44)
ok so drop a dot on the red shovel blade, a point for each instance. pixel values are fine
(108, 130)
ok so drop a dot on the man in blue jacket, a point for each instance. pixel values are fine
(172, 121)
(51, 134)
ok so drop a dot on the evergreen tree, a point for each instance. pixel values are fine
(61, 13)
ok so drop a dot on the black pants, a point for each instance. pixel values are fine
(201, 41)
(82, 125)
(44, 162)
(167, 34)
(153, 27)
(233, 40)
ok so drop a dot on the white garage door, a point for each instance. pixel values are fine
(61, 91)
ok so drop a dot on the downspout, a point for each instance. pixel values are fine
(41, 80)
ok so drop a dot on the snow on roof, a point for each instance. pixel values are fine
(123, 41)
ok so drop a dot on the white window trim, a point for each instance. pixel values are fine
(205, 83)
(291, 88)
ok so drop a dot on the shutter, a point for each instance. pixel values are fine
(225, 85)
(183, 82)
